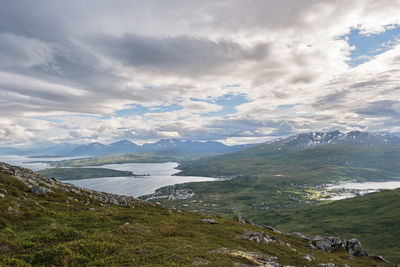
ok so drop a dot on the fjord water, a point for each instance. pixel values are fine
(30, 163)
(160, 175)
(368, 185)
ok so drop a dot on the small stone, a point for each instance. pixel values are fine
(2, 195)
(92, 209)
(12, 210)
(326, 265)
(240, 219)
(209, 221)
(309, 257)
(378, 257)
(257, 237)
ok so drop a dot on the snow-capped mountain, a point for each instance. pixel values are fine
(306, 140)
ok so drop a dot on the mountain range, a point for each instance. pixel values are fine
(180, 146)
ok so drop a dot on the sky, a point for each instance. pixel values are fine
(229, 70)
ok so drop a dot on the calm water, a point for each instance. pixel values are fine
(160, 175)
(24, 161)
(368, 185)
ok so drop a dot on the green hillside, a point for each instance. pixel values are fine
(264, 186)
(374, 219)
(46, 222)
(321, 164)
(82, 173)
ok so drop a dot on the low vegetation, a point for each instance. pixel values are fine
(71, 228)
(83, 173)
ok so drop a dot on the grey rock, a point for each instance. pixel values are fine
(337, 242)
(309, 257)
(240, 219)
(209, 221)
(2, 196)
(40, 190)
(378, 257)
(270, 228)
(324, 245)
(326, 265)
(353, 246)
(12, 210)
(299, 235)
(316, 238)
(258, 237)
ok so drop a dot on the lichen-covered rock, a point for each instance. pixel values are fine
(309, 257)
(324, 245)
(353, 246)
(209, 221)
(40, 190)
(299, 235)
(258, 237)
(337, 242)
(316, 238)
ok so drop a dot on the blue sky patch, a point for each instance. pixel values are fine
(229, 102)
(370, 45)
(136, 109)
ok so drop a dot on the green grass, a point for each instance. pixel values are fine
(115, 159)
(266, 184)
(82, 173)
(374, 219)
(58, 229)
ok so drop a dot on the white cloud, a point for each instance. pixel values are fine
(69, 58)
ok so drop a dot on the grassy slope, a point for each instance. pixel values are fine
(82, 173)
(259, 194)
(314, 165)
(116, 159)
(374, 219)
(55, 230)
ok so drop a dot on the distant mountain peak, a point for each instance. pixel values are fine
(305, 140)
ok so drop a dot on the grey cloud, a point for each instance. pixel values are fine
(182, 54)
(384, 108)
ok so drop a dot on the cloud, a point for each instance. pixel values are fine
(183, 55)
(23, 52)
(69, 69)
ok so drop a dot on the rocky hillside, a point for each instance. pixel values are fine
(47, 222)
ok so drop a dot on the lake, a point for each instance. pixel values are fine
(25, 161)
(161, 174)
(368, 185)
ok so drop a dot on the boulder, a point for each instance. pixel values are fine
(299, 235)
(258, 237)
(316, 238)
(40, 190)
(324, 245)
(353, 246)
(337, 242)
